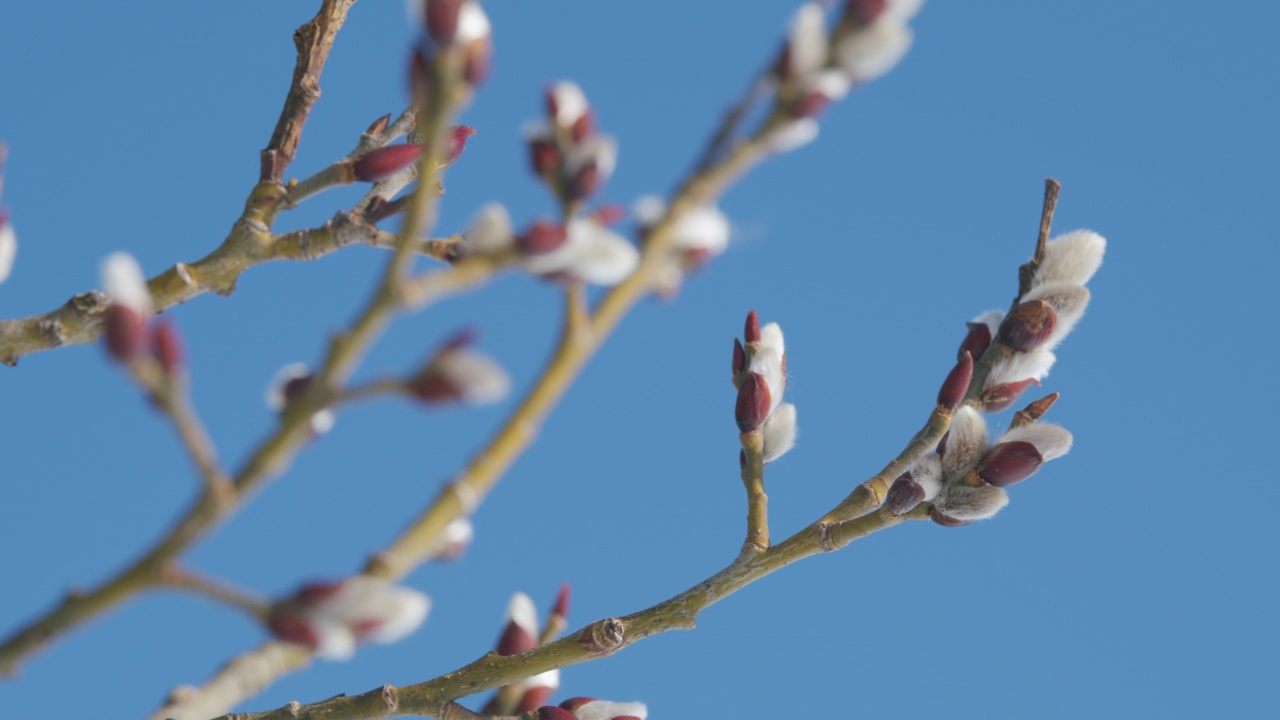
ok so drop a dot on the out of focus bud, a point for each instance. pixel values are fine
(166, 346)
(126, 317)
(956, 385)
(454, 540)
(520, 634)
(441, 18)
(544, 158)
(384, 162)
(589, 252)
(475, 37)
(753, 403)
(870, 52)
(331, 618)
(806, 50)
(542, 238)
(289, 383)
(792, 135)
(1028, 325)
(945, 520)
(1012, 375)
(566, 104)
(490, 232)
(588, 164)
(458, 374)
(458, 136)
(585, 708)
(8, 244)
(538, 690)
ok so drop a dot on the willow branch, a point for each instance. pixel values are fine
(176, 577)
(757, 501)
(314, 39)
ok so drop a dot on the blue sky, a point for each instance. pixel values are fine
(1133, 577)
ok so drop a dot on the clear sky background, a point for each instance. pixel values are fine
(1134, 578)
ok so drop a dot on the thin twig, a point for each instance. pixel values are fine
(757, 500)
(179, 578)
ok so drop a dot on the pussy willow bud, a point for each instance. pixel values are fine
(166, 346)
(1009, 463)
(956, 385)
(1028, 325)
(739, 357)
(904, 495)
(751, 332)
(753, 403)
(384, 162)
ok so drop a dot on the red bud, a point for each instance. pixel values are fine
(125, 332)
(956, 385)
(550, 712)
(946, 520)
(609, 214)
(904, 495)
(386, 161)
(584, 127)
(865, 12)
(586, 182)
(478, 59)
(166, 346)
(442, 19)
(1035, 410)
(542, 237)
(515, 640)
(458, 136)
(1010, 462)
(561, 607)
(811, 105)
(739, 357)
(752, 332)
(574, 703)
(1028, 325)
(290, 628)
(544, 157)
(1000, 397)
(977, 341)
(433, 387)
(535, 697)
(753, 403)
(379, 125)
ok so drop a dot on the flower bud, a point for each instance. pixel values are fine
(753, 403)
(872, 51)
(125, 332)
(739, 357)
(1034, 411)
(956, 385)
(550, 712)
(458, 136)
(1001, 397)
(1028, 325)
(1072, 258)
(966, 443)
(806, 50)
(543, 157)
(752, 331)
(441, 17)
(457, 374)
(1009, 463)
(967, 504)
(475, 36)
(864, 12)
(521, 631)
(945, 520)
(538, 690)
(904, 495)
(384, 162)
(561, 607)
(166, 346)
(585, 708)
(1068, 303)
(779, 432)
(566, 104)
(331, 617)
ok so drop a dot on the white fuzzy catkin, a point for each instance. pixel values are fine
(124, 283)
(1072, 258)
(473, 23)
(870, 52)
(1050, 440)
(1017, 367)
(807, 41)
(522, 612)
(792, 136)
(606, 710)
(490, 232)
(779, 432)
(971, 503)
(702, 228)
(8, 248)
(768, 364)
(966, 443)
(927, 473)
(478, 378)
(571, 103)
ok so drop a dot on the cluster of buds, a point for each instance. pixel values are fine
(760, 375)
(585, 708)
(129, 333)
(389, 160)
(458, 374)
(331, 618)
(1044, 315)
(582, 249)
(454, 24)
(565, 149)
(697, 237)
(8, 238)
(289, 384)
(965, 478)
(520, 634)
(870, 38)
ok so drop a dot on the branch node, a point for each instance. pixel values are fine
(603, 637)
(391, 696)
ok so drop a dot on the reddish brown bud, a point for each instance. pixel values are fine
(1034, 411)
(544, 157)
(586, 183)
(515, 640)
(1028, 325)
(1000, 397)
(479, 54)
(379, 125)
(942, 444)
(752, 332)
(977, 341)
(550, 712)
(739, 357)
(904, 495)
(433, 387)
(811, 105)
(125, 332)
(288, 627)
(584, 127)
(1010, 462)
(386, 161)
(946, 520)
(442, 19)
(542, 237)
(753, 403)
(166, 346)
(865, 12)
(574, 703)
(534, 697)
(956, 385)
(561, 607)
(458, 136)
